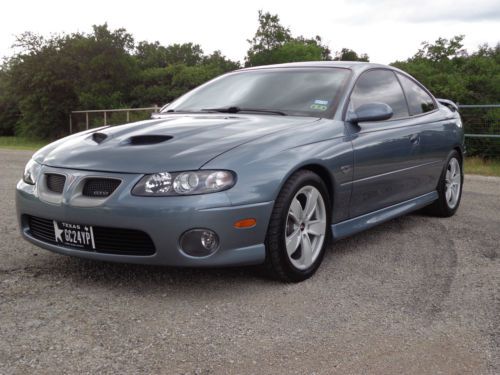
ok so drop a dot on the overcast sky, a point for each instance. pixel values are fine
(386, 30)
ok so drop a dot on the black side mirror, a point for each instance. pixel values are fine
(371, 112)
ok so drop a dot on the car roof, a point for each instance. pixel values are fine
(355, 65)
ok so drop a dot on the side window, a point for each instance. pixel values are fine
(379, 86)
(418, 99)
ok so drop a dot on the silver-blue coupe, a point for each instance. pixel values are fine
(262, 165)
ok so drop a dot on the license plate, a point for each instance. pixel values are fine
(74, 235)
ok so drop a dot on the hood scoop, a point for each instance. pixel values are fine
(99, 137)
(141, 140)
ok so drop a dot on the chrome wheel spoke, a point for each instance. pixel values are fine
(307, 250)
(296, 212)
(453, 168)
(312, 201)
(293, 241)
(316, 227)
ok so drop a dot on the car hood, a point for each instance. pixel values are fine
(171, 143)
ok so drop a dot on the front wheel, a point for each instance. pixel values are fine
(299, 228)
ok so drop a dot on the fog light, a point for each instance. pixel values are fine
(199, 242)
(209, 240)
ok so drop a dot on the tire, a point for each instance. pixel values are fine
(449, 188)
(289, 220)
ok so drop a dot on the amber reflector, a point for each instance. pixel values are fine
(245, 223)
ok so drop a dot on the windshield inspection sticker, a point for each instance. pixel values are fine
(320, 105)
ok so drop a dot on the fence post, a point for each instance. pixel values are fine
(128, 116)
(105, 119)
(87, 120)
(70, 124)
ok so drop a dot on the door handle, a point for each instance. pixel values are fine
(415, 139)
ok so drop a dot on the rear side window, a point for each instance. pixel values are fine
(379, 86)
(419, 100)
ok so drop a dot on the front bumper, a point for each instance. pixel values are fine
(164, 219)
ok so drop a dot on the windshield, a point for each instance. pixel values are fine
(291, 91)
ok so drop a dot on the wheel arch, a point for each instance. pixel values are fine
(321, 171)
(460, 153)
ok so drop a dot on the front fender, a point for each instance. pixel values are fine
(263, 167)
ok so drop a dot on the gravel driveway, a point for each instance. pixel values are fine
(417, 295)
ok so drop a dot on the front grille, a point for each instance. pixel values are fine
(42, 229)
(107, 240)
(55, 182)
(123, 241)
(100, 187)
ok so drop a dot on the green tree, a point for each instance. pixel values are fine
(162, 85)
(269, 35)
(449, 71)
(106, 71)
(346, 54)
(9, 109)
(188, 53)
(435, 65)
(442, 49)
(220, 63)
(40, 81)
(151, 55)
(154, 55)
(273, 43)
(49, 78)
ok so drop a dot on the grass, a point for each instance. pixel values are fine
(476, 165)
(473, 165)
(20, 143)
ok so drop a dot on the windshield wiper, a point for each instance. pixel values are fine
(235, 109)
(179, 111)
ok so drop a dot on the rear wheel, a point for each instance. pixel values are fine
(299, 228)
(449, 188)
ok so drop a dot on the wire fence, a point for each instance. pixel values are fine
(481, 124)
(482, 130)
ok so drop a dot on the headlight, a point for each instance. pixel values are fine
(184, 183)
(31, 172)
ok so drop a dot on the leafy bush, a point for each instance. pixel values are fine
(448, 71)
(49, 78)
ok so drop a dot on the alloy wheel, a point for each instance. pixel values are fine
(453, 183)
(305, 227)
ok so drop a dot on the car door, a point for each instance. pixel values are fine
(434, 127)
(386, 153)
